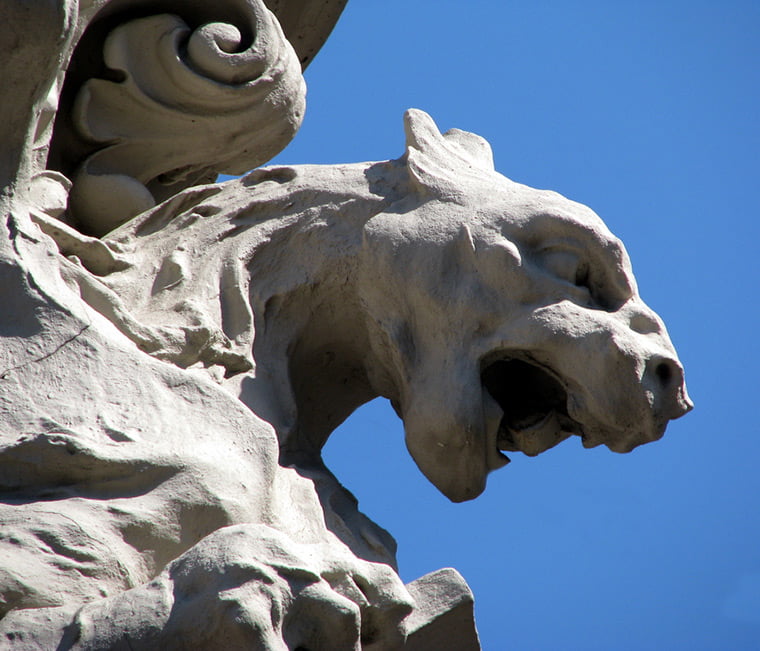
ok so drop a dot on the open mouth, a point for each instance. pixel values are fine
(534, 406)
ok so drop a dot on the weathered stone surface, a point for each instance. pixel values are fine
(442, 617)
(274, 296)
(172, 106)
(165, 391)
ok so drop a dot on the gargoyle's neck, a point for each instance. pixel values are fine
(272, 268)
(311, 346)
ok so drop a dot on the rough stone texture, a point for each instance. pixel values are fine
(170, 106)
(442, 617)
(165, 390)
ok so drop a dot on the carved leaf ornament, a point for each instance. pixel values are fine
(185, 105)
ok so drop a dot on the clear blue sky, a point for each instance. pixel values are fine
(647, 112)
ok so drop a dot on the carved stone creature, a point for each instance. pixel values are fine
(144, 501)
(516, 291)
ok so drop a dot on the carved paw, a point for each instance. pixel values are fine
(251, 587)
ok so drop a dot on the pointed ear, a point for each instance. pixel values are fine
(471, 148)
(438, 164)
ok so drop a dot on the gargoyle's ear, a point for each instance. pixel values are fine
(438, 163)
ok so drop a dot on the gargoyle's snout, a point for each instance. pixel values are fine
(663, 377)
(664, 380)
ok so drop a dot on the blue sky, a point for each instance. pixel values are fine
(648, 113)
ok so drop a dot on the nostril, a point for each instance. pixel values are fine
(664, 373)
(664, 378)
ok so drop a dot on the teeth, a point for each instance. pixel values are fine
(493, 417)
(589, 442)
(531, 421)
(540, 437)
(532, 434)
(505, 441)
(569, 425)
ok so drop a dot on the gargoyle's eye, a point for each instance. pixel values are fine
(565, 265)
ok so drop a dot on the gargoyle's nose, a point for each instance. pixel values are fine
(664, 377)
(643, 321)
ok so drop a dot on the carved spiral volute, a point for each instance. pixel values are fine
(178, 100)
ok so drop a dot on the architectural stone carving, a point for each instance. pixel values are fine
(166, 388)
(180, 105)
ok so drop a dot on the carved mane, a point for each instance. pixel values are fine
(305, 208)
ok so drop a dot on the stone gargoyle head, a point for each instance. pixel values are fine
(494, 316)
(507, 318)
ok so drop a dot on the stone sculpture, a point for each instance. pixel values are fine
(175, 355)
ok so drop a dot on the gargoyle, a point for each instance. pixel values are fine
(259, 313)
(254, 316)
(425, 280)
